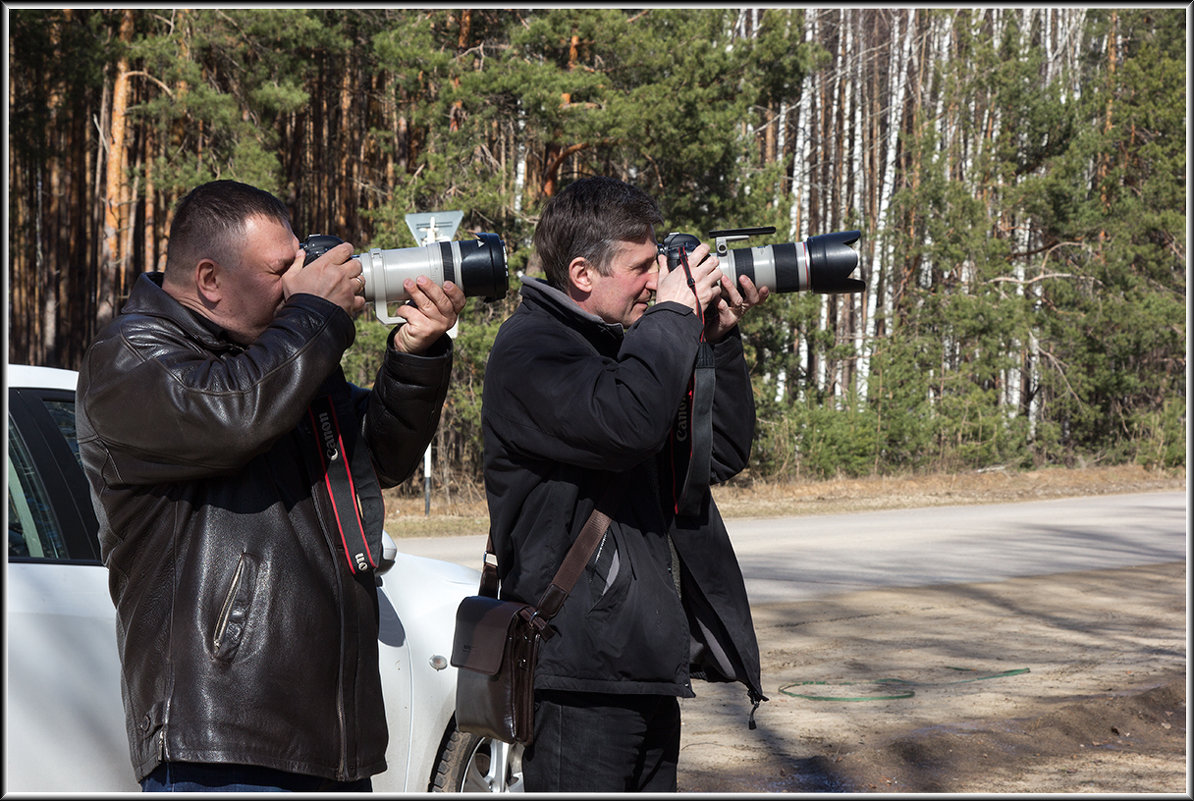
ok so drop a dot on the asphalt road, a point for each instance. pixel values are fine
(811, 557)
(1086, 592)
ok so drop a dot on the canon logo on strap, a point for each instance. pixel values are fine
(329, 437)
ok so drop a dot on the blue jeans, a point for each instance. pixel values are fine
(191, 777)
(596, 742)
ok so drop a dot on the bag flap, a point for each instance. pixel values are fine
(482, 628)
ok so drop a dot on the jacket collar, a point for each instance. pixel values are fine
(148, 298)
(556, 302)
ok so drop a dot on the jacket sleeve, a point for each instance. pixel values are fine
(733, 410)
(564, 402)
(404, 409)
(166, 410)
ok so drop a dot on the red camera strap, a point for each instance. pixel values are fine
(337, 480)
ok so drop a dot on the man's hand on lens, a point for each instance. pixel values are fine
(731, 305)
(705, 275)
(431, 311)
(334, 276)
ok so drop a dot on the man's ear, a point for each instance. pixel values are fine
(208, 275)
(580, 275)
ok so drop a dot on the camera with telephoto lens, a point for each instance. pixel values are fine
(821, 263)
(477, 266)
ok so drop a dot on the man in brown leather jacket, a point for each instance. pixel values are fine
(247, 631)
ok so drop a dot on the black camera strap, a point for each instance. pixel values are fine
(694, 422)
(699, 411)
(361, 554)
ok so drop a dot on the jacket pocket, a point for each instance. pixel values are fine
(603, 568)
(233, 618)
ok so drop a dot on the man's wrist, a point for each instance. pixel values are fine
(396, 344)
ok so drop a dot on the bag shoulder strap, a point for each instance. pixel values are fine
(574, 561)
(577, 557)
(489, 574)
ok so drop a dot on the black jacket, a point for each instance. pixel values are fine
(243, 635)
(570, 405)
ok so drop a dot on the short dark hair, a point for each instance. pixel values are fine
(210, 219)
(588, 219)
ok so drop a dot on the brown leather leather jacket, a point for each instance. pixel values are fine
(243, 635)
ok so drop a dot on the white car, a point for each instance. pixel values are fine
(64, 727)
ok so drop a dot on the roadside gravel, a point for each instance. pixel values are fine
(1068, 683)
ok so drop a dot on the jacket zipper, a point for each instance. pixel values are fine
(674, 573)
(226, 611)
(340, 711)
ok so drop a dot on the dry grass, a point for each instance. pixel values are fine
(947, 489)
(465, 513)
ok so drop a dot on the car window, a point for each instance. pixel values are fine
(33, 529)
(49, 502)
(63, 415)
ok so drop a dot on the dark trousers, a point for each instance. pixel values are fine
(192, 777)
(595, 742)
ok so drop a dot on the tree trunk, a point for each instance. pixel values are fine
(115, 192)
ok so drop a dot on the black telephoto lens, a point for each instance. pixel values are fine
(821, 263)
(831, 260)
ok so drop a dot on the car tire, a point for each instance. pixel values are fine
(470, 763)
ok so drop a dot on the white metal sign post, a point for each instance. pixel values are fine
(428, 228)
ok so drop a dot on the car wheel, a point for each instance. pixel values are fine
(470, 763)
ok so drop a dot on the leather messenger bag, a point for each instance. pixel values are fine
(496, 645)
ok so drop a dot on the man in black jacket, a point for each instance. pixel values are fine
(212, 417)
(582, 393)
